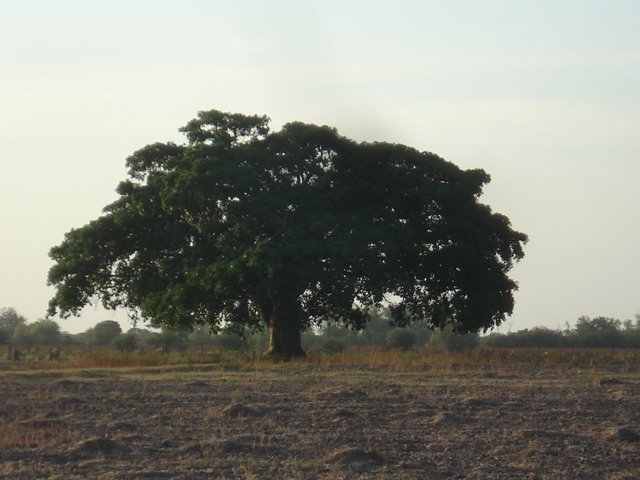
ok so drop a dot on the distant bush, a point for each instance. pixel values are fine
(169, 340)
(538, 337)
(9, 320)
(42, 332)
(376, 331)
(455, 342)
(229, 341)
(588, 332)
(125, 342)
(333, 345)
(104, 333)
(401, 339)
(597, 332)
(631, 338)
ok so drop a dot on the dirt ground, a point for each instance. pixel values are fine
(318, 423)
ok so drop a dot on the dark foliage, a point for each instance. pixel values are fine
(401, 339)
(126, 342)
(9, 320)
(169, 340)
(599, 332)
(41, 332)
(104, 333)
(242, 228)
(535, 337)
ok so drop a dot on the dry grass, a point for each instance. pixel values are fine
(72, 357)
(497, 361)
(30, 434)
(360, 414)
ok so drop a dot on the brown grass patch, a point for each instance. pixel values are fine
(31, 433)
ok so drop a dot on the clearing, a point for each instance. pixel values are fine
(305, 421)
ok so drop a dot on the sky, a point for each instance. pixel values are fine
(544, 95)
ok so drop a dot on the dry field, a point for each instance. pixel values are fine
(320, 420)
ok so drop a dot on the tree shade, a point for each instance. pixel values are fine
(243, 228)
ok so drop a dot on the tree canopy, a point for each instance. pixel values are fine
(244, 228)
(41, 332)
(104, 333)
(10, 319)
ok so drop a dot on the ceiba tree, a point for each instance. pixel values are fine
(243, 228)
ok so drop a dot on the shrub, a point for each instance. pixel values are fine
(42, 332)
(104, 333)
(229, 341)
(455, 342)
(125, 342)
(333, 345)
(168, 340)
(537, 337)
(597, 332)
(10, 319)
(401, 339)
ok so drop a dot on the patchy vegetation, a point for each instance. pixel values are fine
(598, 332)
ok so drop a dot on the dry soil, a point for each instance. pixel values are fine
(318, 423)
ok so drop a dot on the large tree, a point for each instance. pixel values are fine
(243, 228)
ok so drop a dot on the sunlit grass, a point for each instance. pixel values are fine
(434, 360)
(496, 359)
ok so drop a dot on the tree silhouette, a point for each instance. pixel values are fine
(243, 228)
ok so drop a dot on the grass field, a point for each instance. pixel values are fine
(482, 414)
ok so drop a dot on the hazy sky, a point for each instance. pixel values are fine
(544, 95)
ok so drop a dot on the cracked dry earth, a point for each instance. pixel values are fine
(314, 423)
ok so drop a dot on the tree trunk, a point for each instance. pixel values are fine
(284, 333)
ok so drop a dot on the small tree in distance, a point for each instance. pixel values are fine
(454, 341)
(597, 332)
(401, 339)
(9, 320)
(41, 332)
(242, 229)
(104, 333)
(125, 342)
(168, 340)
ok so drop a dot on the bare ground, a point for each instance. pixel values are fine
(319, 423)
